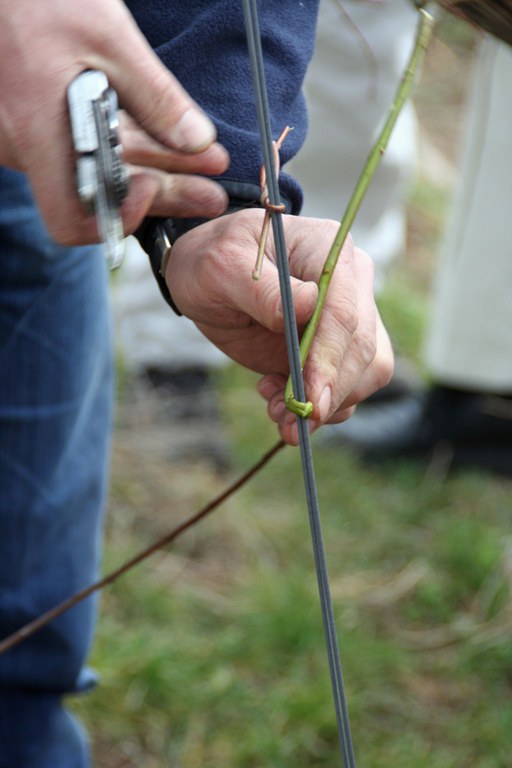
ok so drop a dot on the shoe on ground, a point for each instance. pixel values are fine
(449, 427)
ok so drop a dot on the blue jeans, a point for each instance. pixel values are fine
(55, 419)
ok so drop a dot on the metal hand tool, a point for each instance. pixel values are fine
(102, 178)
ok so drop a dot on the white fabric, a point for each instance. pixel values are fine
(361, 50)
(148, 332)
(470, 339)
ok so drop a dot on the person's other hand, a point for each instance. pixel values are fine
(43, 46)
(209, 276)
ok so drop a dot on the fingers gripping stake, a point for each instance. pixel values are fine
(101, 177)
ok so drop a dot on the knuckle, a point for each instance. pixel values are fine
(384, 373)
(364, 258)
(348, 315)
(366, 344)
(149, 111)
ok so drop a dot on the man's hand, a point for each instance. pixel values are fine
(209, 276)
(43, 46)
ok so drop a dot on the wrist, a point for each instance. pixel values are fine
(157, 235)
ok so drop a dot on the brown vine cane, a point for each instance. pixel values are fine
(26, 631)
(494, 16)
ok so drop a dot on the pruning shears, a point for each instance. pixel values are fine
(101, 176)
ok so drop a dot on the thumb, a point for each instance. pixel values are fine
(152, 95)
(265, 303)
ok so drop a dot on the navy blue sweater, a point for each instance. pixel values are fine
(203, 43)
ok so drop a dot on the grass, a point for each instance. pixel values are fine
(212, 653)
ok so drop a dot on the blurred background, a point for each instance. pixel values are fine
(212, 654)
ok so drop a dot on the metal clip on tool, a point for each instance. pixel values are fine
(102, 179)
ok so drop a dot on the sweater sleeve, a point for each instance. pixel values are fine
(203, 43)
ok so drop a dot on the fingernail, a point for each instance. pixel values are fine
(324, 404)
(193, 132)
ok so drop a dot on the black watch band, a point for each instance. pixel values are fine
(157, 237)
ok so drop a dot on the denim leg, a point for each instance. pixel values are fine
(55, 419)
